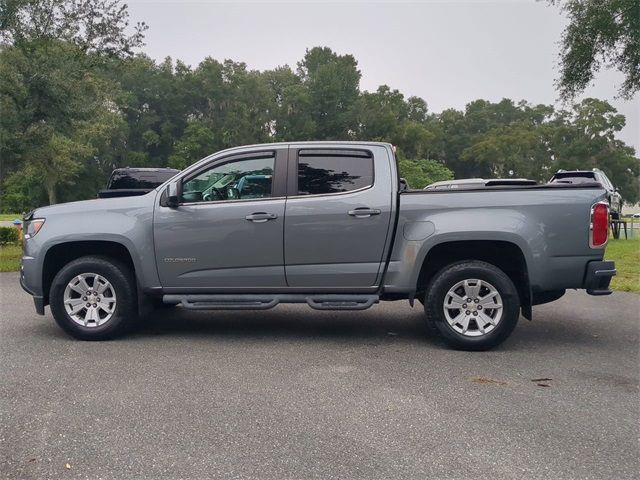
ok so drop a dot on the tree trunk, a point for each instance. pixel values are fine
(51, 192)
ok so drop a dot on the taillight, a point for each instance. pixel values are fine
(599, 232)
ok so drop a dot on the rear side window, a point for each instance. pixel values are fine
(334, 173)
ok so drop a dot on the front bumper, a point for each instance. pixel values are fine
(38, 300)
(29, 270)
(598, 276)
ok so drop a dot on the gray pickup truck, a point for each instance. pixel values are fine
(321, 223)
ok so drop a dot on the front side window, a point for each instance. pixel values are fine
(324, 174)
(236, 180)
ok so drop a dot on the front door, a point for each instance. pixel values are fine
(337, 217)
(227, 231)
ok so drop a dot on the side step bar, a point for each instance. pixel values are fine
(265, 302)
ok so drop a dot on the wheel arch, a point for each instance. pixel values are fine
(60, 254)
(505, 255)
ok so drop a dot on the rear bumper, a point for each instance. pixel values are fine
(598, 276)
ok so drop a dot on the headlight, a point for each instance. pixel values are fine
(32, 227)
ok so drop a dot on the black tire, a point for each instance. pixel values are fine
(449, 276)
(124, 285)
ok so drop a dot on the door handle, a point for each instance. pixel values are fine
(364, 212)
(261, 217)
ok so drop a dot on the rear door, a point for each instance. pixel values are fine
(338, 216)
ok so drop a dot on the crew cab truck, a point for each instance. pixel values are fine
(321, 223)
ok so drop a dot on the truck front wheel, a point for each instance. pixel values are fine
(472, 304)
(93, 298)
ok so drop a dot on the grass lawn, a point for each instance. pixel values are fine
(10, 258)
(9, 217)
(626, 254)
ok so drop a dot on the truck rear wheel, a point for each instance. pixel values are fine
(93, 298)
(472, 304)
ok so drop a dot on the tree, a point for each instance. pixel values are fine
(72, 112)
(417, 140)
(600, 33)
(420, 172)
(379, 114)
(517, 150)
(290, 106)
(332, 81)
(62, 109)
(418, 110)
(584, 138)
(197, 142)
(95, 26)
(53, 103)
(156, 101)
(246, 111)
(54, 157)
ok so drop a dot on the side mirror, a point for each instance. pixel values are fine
(173, 195)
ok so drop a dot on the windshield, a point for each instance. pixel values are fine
(574, 178)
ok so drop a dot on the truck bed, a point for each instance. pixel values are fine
(549, 223)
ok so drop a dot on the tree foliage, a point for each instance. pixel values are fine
(94, 26)
(74, 107)
(332, 85)
(421, 172)
(600, 33)
(56, 113)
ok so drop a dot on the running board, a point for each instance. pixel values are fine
(265, 302)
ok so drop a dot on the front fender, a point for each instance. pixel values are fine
(128, 222)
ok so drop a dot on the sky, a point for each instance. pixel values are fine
(447, 52)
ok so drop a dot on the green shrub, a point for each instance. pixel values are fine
(9, 235)
(420, 173)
